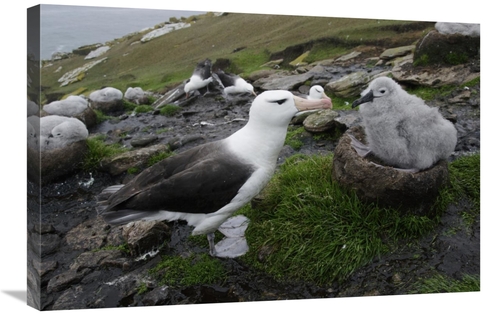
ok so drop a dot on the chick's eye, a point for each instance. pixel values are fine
(382, 91)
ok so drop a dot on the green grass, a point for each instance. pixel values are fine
(430, 93)
(293, 137)
(170, 110)
(318, 231)
(260, 37)
(443, 284)
(158, 157)
(143, 108)
(98, 150)
(195, 269)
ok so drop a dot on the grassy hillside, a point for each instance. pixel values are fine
(248, 40)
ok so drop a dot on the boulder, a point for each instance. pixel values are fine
(320, 121)
(349, 85)
(397, 52)
(446, 49)
(282, 82)
(409, 192)
(53, 164)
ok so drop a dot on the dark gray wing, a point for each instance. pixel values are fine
(204, 69)
(226, 79)
(199, 180)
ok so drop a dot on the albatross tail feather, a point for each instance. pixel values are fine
(127, 216)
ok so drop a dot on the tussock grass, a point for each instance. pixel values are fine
(319, 232)
(98, 150)
(195, 269)
(443, 284)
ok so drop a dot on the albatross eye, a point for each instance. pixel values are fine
(280, 102)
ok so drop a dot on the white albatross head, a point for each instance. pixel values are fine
(317, 92)
(277, 108)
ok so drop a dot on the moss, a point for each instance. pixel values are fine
(133, 170)
(143, 108)
(98, 150)
(422, 60)
(169, 110)
(456, 58)
(195, 269)
(158, 157)
(293, 137)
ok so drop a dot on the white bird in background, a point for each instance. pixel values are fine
(401, 129)
(201, 77)
(206, 184)
(234, 84)
(317, 92)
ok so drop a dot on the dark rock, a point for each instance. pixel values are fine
(88, 235)
(56, 163)
(142, 141)
(410, 192)
(144, 236)
(110, 108)
(158, 296)
(449, 49)
(65, 279)
(43, 244)
(70, 299)
(96, 259)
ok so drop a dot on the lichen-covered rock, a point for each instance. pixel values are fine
(408, 192)
(392, 53)
(320, 121)
(120, 163)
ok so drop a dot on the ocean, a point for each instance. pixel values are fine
(64, 28)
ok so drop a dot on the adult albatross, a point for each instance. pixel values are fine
(206, 184)
(233, 83)
(201, 77)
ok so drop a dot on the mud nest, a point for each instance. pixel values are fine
(409, 192)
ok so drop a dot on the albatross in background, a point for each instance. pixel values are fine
(316, 92)
(206, 184)
(234, 84)
(401, 129)
(201, 77)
